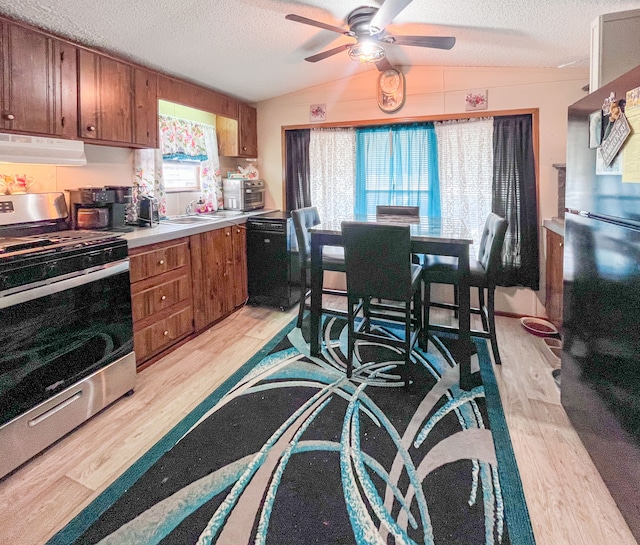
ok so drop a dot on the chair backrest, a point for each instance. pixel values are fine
(384, 210)
(303, 219)
(490, 253)
(378, 260)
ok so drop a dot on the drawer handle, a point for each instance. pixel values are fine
(161, 262)
(163, 298)
(9, 117)
(228, 233)
(166, 333)
(91, 128)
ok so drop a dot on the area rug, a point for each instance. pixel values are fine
(290, 452)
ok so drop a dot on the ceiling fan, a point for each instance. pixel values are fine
(367, 25)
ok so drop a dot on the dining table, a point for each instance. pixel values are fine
(429, 235)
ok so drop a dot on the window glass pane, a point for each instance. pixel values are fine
(181, 175)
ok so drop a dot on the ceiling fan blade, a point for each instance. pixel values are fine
(387, 13)
(328, 53)
(437, 42)
(383, 64)
(300, 19)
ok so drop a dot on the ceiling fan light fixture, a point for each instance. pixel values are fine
(366, 51)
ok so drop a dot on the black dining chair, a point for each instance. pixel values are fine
(378, 265)
(399, 214)
(484, 274)
(332, 256)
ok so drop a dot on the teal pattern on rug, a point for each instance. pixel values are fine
(288, 451)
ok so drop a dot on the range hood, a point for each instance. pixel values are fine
(38, 150)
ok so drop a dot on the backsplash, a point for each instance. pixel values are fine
(106, 166)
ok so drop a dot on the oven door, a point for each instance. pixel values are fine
(55, 335)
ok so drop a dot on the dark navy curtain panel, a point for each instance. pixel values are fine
(515, 198)
(397, 165)
(297, 171)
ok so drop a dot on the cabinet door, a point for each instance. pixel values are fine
(39, 85)
(248, 137)
(106, 98)
(554, 270)
(212, 266)
(239, 238)
(146, 108)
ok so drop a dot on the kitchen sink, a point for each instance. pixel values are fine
(190, 219)
(224, 213)
(187, 220)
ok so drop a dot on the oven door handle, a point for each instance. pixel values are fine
(82, 278)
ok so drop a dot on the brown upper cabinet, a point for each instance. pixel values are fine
(238, 138)
(145, 131)
(105, 98)
(248, 134)
(38, 83)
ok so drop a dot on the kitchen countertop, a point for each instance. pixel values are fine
(554, 224)
(143, 236)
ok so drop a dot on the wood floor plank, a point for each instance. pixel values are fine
(568, 501)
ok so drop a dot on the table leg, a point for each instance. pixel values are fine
(316, 296)
(464, 320)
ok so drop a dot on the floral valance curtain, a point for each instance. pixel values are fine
(182, 140)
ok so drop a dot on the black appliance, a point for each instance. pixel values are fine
(600, 384)
(67, 333)
(100, 208)
(273, 266)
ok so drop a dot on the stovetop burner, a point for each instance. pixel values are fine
(14, 244)
(50, 241)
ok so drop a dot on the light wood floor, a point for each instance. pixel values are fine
(567, 500)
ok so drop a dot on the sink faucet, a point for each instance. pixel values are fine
(189, 210)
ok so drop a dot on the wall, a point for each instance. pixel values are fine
(435, 91)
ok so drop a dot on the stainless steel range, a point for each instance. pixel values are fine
(65, 324)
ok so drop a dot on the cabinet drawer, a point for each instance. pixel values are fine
(156, 298)
(152, 263)
(154, 338)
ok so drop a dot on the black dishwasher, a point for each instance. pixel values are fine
(272, 261)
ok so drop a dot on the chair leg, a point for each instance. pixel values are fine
(351, 335)
(366, 306)
(483, 309)
(456, 301)
(303, 296)
(406, 373)
(418, 316)
(492, 324)
(426, 300)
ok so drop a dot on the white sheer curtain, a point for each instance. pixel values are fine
(147, 178)
(210, 177)
(465, 157)
(332, 158)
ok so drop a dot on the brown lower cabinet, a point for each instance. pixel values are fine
(219, 273)
(554, 270)
(180, 287)
(161, 297)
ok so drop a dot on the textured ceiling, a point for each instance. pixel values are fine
(246, 48)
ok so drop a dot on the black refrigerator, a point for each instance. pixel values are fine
(600, 384)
